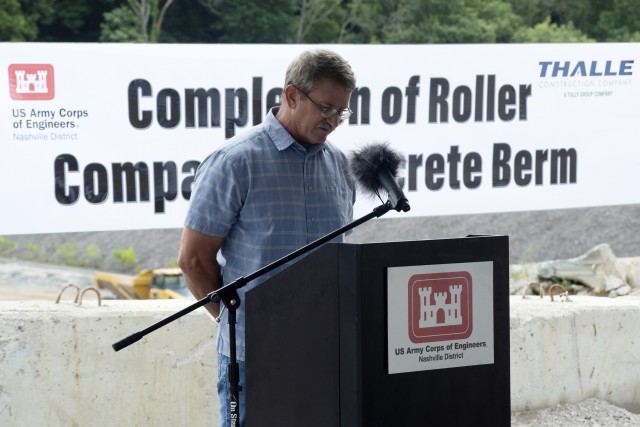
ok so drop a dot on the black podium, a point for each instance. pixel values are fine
(383, 334)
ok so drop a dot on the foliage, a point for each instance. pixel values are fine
(250, 21)
(7, 247)
(318, 21)
(121, 25)
(321, 21)
(582, 13)
(74, 21)
(451, 21)
(34, 251)
(549, 32)
(91, 256)
(19, 20)
(620, 22)
(363, 22)
(125, 257)
(135, 21)
(67, 253)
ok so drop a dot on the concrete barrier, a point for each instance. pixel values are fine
(566, 352)
(57, 367)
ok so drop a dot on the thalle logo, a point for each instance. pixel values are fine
(31, 82)
(440, 306)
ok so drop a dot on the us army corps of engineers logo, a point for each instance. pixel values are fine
(439, 316)
(31, 82)
(440, 306)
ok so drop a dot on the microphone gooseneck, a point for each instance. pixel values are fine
(374, 168)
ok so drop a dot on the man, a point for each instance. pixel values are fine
(268, 192)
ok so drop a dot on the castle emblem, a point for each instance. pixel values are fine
(442, 313)
(32, 82)
(440, 306)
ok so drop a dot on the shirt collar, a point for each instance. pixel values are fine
(283, 139)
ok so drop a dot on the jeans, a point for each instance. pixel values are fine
(224, 393)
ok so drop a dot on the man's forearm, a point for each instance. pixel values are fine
(203, 283)
(197, 260)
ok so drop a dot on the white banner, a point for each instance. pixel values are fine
(108, 136)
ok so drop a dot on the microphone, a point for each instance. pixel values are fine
(374, 168)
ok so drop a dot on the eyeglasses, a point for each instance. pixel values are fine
(329, 112)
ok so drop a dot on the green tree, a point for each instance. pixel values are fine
(19, 20)
(250, 21)
(135, 21)
(320, 21)
(189, 22)
(620, 21)
(121, 25)
(598, 20)
(363, 22)
(317, 22)
(533, 12)
(451, 21)
(75, 21)
(548, 32)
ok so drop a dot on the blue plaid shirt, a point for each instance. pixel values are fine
(268, 197)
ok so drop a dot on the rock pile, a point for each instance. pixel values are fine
(598, 272)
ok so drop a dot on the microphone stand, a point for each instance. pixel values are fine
(229, 296)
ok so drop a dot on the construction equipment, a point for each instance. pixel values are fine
(162, 283)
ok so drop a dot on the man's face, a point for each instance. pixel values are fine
(310, 126)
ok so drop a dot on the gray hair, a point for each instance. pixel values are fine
(313, 65)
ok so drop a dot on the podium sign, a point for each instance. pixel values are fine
(432, 323)
(383, 334)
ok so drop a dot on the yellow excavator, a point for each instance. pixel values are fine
(161, 283)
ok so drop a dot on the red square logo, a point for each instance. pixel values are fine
(440, 307)
(31, 82)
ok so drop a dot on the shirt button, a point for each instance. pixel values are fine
(310, 187)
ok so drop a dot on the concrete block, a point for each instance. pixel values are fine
(566, 352)
(57, 367)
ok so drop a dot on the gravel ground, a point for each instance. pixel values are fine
(591, 412)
